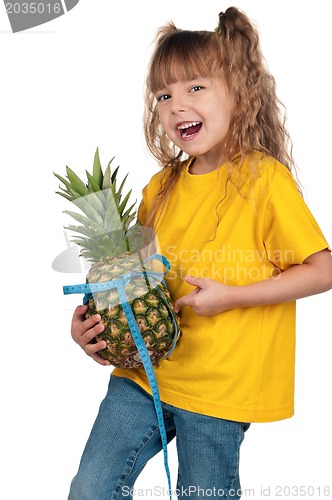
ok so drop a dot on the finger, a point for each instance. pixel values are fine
(100, 360)
(91, 322)
(92, 333)
(186, 300)
(80, 326)
(79, 313)
(199, 282)
(177, 306)
(94, 347)
(88, 337)
(92, 350)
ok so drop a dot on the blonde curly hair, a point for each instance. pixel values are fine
(232, 51)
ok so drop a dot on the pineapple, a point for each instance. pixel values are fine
(114, 244)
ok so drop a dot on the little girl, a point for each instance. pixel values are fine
(243, 246)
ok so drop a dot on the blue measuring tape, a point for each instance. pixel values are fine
(120, 284)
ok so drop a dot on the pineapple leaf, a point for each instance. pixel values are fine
(128, 221)
(85, 221)
(64, 195)
(119, 192)
(90, 245)
(92, 207)
(64, 190)
(129, 212)
(113, 180)
(90, 233)
(71, 193)
(105, 225)
(64, 181)
(112, 219)
(103, 251)
(109, 219)
(107, 183)
(92, 183)
(97, 170)
(93, 256)
(115, 173)
(76, 182)
(124, 203)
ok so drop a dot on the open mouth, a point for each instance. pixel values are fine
(188, 129)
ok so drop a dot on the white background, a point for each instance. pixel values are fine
(74, 84)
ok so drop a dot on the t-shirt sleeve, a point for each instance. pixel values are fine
(148, 194)
(141, 212)
(291, 234)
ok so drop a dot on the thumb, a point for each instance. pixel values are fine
(188, 300)
(79, 313)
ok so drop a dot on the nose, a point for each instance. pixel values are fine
(179, 104)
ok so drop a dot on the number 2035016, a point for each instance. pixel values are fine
(33, 8)
(302, 491)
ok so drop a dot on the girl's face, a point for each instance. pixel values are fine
(196, 115)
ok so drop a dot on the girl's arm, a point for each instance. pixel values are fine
(211, 297)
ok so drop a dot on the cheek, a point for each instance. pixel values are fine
(165, 126)
(223, 117)
(231, 107)
(159, 118)
(227, 114)
(162, 121)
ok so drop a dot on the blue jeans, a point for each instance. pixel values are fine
(125, 436)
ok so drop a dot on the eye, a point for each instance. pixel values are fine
(163, 97)
(196, 88)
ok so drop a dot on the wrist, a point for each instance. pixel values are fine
(241, 296)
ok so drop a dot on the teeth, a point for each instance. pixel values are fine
(187, 125)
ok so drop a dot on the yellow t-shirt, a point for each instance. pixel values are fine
(237, 365)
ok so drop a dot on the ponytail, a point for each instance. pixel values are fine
(259, 116)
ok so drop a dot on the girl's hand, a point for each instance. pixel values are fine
(208, 298)
(84, 332)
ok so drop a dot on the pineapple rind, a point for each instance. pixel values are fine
(154, 319)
